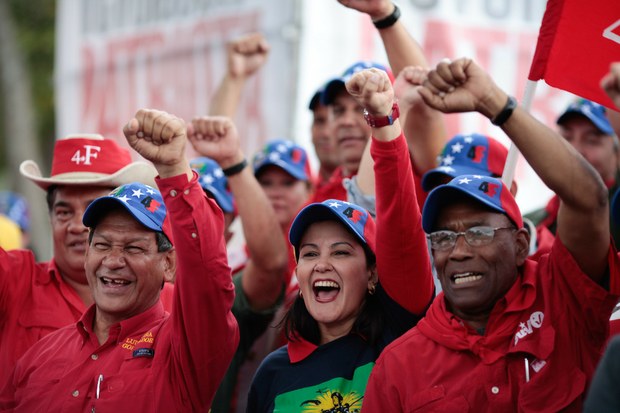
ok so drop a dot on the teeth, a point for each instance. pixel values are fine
(460, 279)
(326, 284)
(107, 280)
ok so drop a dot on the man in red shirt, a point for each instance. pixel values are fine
(126, 353)
(37, 298)
(507, 333)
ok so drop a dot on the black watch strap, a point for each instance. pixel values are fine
(506, 111)
(389, 20)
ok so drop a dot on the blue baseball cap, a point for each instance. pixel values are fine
(214, 182)
(15, 207)
(488, 191)
(355, 218)
(337, 84)
(595, 113)
(143, 202)
(316, 99)
(472, 154)
(286, 155)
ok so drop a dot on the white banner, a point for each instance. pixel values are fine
(116, 56)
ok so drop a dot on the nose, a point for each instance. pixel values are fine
(461, 248)
(114, 258)
(323, 265)
(75, 224)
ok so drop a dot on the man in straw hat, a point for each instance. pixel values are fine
(126, 353)
(37, 298)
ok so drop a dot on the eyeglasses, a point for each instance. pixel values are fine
(475, 236)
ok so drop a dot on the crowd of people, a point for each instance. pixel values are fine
(401, 277)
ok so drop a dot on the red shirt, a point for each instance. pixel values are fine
(154, 361)
(554, 316)
(332, 189)
(34, 301)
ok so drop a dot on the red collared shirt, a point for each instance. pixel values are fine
(154, 361)
(34, 301)
(552, 323)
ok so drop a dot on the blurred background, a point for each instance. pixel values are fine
(70, 66)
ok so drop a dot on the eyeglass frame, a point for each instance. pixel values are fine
(464, 234)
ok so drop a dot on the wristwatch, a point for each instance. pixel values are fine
(381, 121)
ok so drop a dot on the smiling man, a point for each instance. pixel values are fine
(507, 333)
(37, 298)
(126, 353)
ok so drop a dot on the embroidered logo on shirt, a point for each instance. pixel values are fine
(144, 352)
(527, 328)
(130, 343)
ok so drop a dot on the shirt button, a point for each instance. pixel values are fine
(94, 356)
(173, 193)
(186, 192)
(494, 389)
(75, 393)
(194, 235)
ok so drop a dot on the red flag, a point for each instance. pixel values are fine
(578, 40)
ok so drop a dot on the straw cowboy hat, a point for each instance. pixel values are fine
(89, 159)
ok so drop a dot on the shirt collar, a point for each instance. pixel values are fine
(128, 327)
(299, 349)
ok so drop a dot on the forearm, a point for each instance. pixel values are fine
(205, 339)
(425, 131)
(264, 275)
(226, 99)
(401, 49)
(403, 261)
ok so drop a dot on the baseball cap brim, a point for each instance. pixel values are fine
(294, 172)
(321, 212)
(447, 194)
(436, 176)
(101, 206)
(601, 124)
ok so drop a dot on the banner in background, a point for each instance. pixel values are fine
(116, 56)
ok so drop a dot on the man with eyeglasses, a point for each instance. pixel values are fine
(507, 333)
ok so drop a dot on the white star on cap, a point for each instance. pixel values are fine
(274, 156)
(456, 148)
(218, 173)
(149, 190)
(208, 179)
(334, 204)
(281, 148)
(464, 181)
(123, 198)
(448, 160)
(446, 169)
(137, 193)
(468, 139)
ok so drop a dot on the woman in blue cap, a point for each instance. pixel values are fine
(356, 294)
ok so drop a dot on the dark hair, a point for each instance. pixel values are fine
(50, 195)
(369, 324)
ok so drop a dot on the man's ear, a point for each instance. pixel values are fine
(522, 245)
(170, 265)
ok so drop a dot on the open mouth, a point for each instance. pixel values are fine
(466, 277)
(114, 282)
(325, 290)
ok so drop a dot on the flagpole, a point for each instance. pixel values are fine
(513, 152)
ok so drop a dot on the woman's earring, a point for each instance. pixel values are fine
(372, 289)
